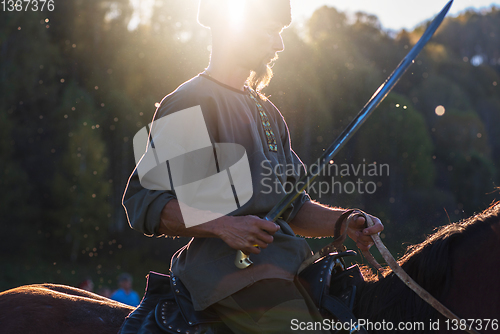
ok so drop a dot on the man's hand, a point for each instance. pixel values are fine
(244, 233)
(361, 234)
(247, 233)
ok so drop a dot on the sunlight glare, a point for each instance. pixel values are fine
(236, 11)
(141, 14)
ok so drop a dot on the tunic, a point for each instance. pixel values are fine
(206, 265)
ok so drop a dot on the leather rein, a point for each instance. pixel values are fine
(340, 234)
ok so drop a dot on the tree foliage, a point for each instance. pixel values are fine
(77, 84)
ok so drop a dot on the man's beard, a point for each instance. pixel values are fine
(261, 76)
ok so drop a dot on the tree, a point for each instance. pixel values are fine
(464, 159)
(80, 189)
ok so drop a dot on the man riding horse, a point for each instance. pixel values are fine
(227, 100)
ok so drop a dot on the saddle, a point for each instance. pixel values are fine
(167, 306)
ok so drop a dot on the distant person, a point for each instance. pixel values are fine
(87, 285)
(104, 291)
(125, 294)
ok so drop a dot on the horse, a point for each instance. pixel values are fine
(459, 265)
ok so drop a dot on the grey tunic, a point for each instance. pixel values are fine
(206, 265)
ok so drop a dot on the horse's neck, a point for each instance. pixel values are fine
(388, 299)
(391, 300)
(462, 272)
(475, 287)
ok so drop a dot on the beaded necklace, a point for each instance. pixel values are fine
(266, 125)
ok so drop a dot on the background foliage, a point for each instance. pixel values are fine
(76, 85)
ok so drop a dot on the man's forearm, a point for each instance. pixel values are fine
(172, 224)
(312, 220)
(315, 220)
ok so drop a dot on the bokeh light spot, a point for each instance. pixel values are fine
(440, 110)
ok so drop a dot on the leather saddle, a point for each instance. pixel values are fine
(167, 307)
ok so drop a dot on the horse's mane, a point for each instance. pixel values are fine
(429, 264)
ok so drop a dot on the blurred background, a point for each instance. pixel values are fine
(78, 82)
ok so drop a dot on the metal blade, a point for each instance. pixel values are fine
(355, 124)
(362, 116)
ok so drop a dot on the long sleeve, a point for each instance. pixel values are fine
(143, 206)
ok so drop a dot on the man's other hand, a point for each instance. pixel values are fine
(361, 234)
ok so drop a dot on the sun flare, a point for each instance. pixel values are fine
(236, 10)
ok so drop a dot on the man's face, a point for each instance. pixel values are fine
(258, 44)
